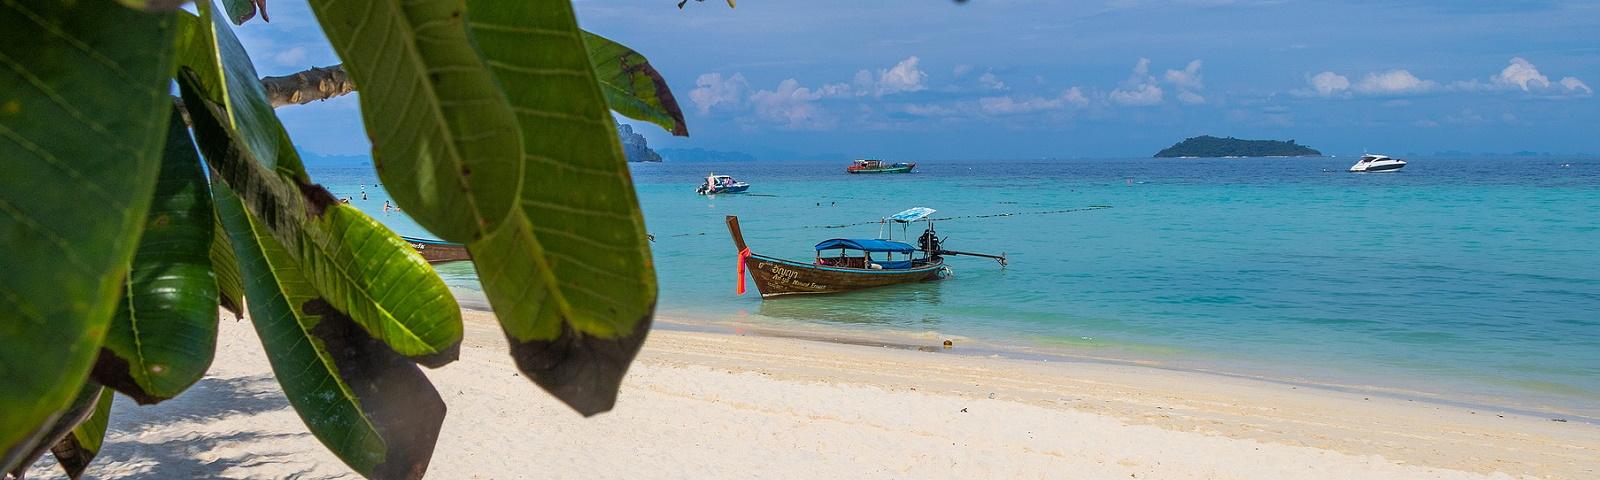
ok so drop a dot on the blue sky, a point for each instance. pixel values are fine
(1034, 79)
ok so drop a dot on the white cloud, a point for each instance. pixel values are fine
(291, 57)
(1520, 73)
(902, 77)
(961, 69)
(1007, 105)
(1327, 84)
(1189, 83)
(1140, 89)
(1572, 84)
(929, 110)
(1188, 78)
(795, 106)
(992, 82)
(1393, 82)
(712, 91)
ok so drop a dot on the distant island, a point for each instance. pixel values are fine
(1209, 146)
(635, 146)
(703, 155)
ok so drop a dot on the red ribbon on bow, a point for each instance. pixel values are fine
(744, 252)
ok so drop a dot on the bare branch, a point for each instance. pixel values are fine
(318, 83)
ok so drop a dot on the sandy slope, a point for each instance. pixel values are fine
(706, 405)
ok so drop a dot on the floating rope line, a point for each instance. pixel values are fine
(992, 215)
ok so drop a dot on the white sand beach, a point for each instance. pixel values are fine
(711, 405)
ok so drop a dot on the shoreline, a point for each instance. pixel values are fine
(718, 405)
(969, 346)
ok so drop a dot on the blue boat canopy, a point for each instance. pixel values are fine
(867, 245)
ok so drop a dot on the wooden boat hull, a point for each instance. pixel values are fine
(435, 251)
(775, 276)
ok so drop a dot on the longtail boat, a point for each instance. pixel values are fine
(879, 166)
(853, 267)
(438, 251)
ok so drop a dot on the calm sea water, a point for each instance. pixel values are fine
(1466, 278)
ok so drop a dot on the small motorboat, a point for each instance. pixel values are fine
(716, 184)
(844, 264)
(879, 166)
(1377, 163)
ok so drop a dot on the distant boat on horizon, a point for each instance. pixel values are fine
(867, 165)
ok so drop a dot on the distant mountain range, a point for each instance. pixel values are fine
(1209, 146)
(704, 155)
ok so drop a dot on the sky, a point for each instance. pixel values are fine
(1021, 79)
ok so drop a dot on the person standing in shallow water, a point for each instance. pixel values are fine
(385, 206)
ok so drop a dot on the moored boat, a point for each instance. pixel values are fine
(438, 251)
(845, 264)
(715, 184)
(879, 166)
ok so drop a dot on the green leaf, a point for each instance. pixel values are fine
(83, 107)
(570, 275)
(373, 408)
(230, 288)
(154, 5)
(444, 140)
(165, 330)
(75, 451)
(631, 86)
(81, 408)
(240, 11)
(360, 267)
(208, 46)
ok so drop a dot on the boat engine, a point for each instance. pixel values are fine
(929, 242)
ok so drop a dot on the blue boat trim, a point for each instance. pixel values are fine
(867, 245)
(924, 268)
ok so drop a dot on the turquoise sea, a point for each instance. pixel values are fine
(1475, 280)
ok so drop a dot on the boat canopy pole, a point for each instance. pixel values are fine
(1000, 258)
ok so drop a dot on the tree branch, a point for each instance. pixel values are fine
(318, 83)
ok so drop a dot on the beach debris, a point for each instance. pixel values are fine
(949, 344)
(1562, 420)
(991, 395)
(964, 410)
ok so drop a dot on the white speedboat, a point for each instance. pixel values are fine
(1377, 163)
(716, 184)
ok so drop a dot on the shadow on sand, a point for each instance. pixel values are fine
(140, 443)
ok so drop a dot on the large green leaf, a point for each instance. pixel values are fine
(631, 86)
(76, 450)
(569, 276)
(165, 330)
(362, 268)
(373, 408)
(81, 408)
(83, 107)
(208, 46)
(444, 140)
